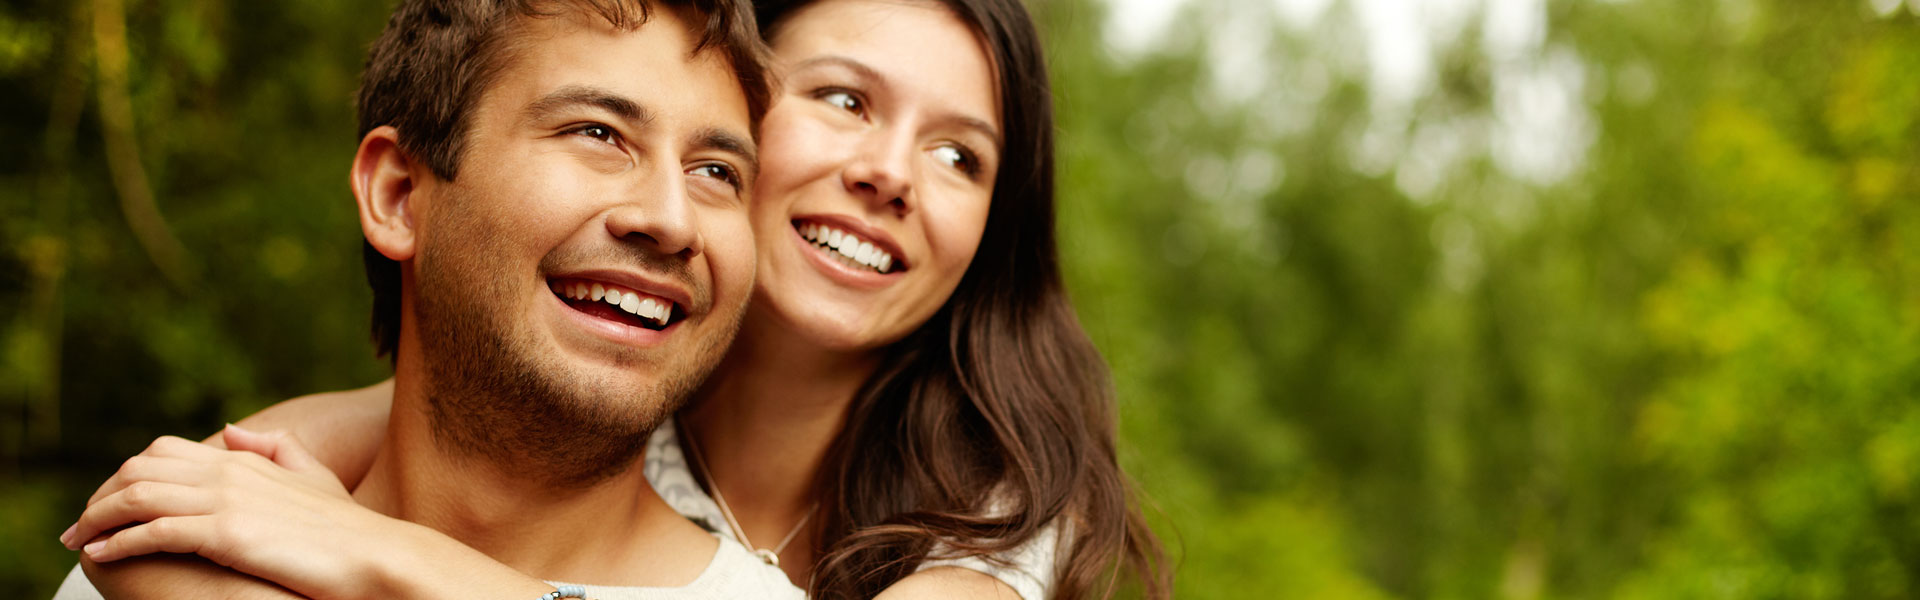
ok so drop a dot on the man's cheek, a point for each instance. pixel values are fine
(734, 284)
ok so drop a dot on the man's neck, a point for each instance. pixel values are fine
(613, 532)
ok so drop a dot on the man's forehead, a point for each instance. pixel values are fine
(653, 66)
(571, 98)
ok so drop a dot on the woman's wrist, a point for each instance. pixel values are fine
(425, 563)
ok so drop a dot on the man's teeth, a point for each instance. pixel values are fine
(850, 247)
(650, 308)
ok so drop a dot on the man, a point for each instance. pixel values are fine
(553, 196)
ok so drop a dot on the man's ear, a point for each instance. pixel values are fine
(384, 179)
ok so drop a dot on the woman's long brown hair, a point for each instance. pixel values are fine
(995, 419)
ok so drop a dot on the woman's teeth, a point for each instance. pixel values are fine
(657, 309)
(850, 248)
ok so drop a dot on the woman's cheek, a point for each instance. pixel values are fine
(960, 240)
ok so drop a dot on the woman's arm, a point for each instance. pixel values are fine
(273, 512)
(459, 570)
(344, 430)
(433, 571)
(176, 576)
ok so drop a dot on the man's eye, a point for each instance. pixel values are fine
(957, 158)
(844, 100)
(717, 171)
(598, 132)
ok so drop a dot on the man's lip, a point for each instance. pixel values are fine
(636, 282)
(879, 238)
(619, 333)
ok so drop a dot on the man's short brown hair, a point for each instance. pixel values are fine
(436, 57)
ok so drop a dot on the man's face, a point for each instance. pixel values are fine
(590, 262)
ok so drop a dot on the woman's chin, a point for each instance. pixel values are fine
(832, 329)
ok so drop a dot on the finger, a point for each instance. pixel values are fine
(247, 440)
(143, 501)
(139, 468)
(150, 468)
(295, 457)
(282, 448)
(183, 535)
(178, 447)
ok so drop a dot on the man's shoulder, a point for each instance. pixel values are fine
(739, 574)
(77, 587)
(733, 573)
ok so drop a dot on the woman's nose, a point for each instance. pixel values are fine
(882, 171)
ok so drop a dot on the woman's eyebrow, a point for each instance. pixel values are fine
(979, 125)
(859, 69)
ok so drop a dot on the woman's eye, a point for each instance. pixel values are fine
(845, 101)
(956, 158)
(717, 171)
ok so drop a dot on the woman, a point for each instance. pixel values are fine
(910, 388)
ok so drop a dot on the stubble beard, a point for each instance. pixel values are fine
(494, 396)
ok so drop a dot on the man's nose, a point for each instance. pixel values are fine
(658, 213)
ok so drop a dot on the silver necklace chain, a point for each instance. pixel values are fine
(772, 557)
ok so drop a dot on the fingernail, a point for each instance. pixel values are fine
(94, 549)
(67, 534)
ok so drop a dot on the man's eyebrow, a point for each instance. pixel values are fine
(581, 95)
(726, 141)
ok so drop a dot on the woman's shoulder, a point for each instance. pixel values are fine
(373, 401)
(1028, 568)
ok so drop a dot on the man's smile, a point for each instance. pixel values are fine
(618, 304)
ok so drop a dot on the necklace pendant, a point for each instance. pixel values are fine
(768, 556)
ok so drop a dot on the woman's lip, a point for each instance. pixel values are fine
(878, 238)
(841, 273)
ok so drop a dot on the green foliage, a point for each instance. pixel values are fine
(1686, 368)
(1368, 345)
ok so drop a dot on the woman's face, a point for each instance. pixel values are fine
(878, 162)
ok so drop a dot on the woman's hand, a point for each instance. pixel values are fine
(265, 508)
(343, 429)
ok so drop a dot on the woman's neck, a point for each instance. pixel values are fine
(763, 425)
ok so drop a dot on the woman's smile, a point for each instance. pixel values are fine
(851, 254)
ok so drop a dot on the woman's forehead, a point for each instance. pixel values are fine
(920, 50)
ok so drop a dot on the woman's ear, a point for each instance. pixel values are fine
(383, 181)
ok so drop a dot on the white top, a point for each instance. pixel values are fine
(1029, 569)
(733, 573)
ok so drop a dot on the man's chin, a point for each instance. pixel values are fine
(560, 430)
(633, 391)
(666, 373)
